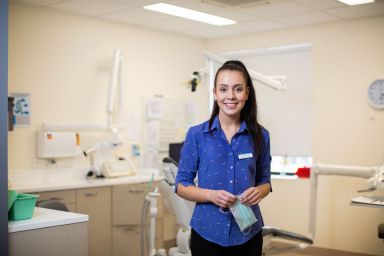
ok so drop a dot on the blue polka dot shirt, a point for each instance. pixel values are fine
(220, 165)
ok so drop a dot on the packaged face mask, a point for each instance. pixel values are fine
(243, 215)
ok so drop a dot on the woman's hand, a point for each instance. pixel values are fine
(221, 198)
(253, 195)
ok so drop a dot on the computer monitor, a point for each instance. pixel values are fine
(174, 151)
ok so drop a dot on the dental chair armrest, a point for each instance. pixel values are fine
(170, 160)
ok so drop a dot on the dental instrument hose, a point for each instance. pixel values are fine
(144, 211)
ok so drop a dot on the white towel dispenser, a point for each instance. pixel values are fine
(58, 144)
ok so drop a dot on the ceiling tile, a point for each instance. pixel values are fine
(177, 24)
(234, 14)
(208, 33)
(137, 16)
(307, 19)
(320, 5)
(88, 7)
(277, 9)
(38, 3)
(259, 25)
(358, 11)
(137, 3)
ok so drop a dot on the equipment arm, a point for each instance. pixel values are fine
(277, 82)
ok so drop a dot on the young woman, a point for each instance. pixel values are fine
(230, 155)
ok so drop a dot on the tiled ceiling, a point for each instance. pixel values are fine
(252, 16)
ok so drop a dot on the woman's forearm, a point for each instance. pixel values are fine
(193, 193)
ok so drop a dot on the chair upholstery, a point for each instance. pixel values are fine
(381, 231)
(52, 204)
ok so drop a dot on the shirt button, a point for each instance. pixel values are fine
(231, 167)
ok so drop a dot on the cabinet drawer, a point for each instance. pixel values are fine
(127, 239)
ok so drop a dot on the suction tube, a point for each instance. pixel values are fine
(144, 211)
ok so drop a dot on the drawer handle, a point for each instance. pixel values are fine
(131, 190)
(90, 194)
(129, 228)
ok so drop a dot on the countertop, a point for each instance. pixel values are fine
(41, 180)
(43, 218)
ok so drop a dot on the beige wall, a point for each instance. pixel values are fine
(347, 57)
(65, 62)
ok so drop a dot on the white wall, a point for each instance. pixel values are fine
(65, 62)
(346, 56)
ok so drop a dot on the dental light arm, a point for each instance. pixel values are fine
(116, 86)
(115, 91)
(275, 82)
(375, 176)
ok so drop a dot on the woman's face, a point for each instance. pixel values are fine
(231, 93)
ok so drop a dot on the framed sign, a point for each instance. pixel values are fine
(21, 109)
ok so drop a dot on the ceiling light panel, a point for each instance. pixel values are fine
(189, 14)
(356, 2)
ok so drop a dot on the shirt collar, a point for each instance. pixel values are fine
(243, 127)
(216, 125)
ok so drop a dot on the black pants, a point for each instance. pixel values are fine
(202, 247)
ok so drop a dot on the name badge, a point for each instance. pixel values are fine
(245, 156)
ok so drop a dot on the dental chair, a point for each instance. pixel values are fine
(183, 210)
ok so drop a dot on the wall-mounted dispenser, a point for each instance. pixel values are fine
(58, 144)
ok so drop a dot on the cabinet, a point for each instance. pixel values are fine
(49, 233)
(96, 202)
(114, 226)
(127, 203)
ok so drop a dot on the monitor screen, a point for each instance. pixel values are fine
(174, 151)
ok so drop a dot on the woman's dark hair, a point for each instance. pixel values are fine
(249, 111)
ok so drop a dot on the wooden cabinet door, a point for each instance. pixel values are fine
(96, 202)
(127, 201)
(126, 240)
